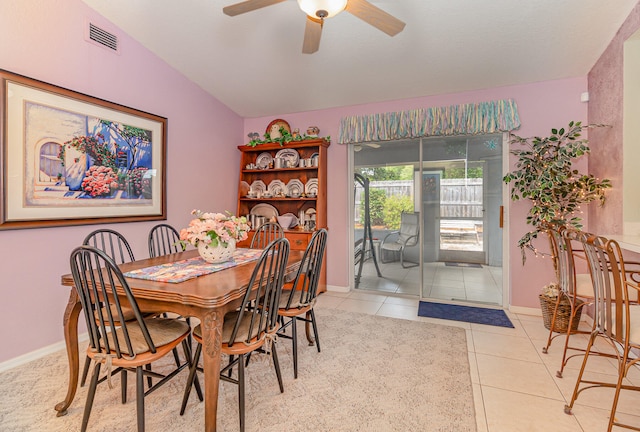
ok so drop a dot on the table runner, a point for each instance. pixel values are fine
(183, 270)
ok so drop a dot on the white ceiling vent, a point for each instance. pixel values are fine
(102, 37)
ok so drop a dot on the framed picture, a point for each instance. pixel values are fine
(71, 159)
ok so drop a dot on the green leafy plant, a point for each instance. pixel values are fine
(285, 137)
(545, 176)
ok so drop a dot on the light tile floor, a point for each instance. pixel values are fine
(442, 282)
(515, 385)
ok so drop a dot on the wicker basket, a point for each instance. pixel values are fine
(547, 304)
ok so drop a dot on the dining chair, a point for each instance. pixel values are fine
(252, 327)
(616, 319)
(120, 344)
(406, 236)
(164, 240)
(298, 298)
(114, 244)
(575, 289)
(265, 234)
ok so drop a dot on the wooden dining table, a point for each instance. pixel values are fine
(206, 297)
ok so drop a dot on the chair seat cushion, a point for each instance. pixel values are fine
(227, 328)
(161, 330)
(295, 302)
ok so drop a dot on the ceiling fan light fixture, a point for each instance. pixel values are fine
(322, 8)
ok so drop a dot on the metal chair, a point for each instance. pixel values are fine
(575, 287)
(406, 236)
(265, 234)
(253, 326)
(616, 318)
(164, 240)
(300, 298)
(121, 345)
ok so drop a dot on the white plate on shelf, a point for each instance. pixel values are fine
(277, 188)
(290, 155)
(263, 160)
(258, 186)
(311, 188)
(295, 188)
(266, 210)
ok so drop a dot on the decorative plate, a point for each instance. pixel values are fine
(295, 188)
(244, 188)
(311, 188)
(290, 155)
(258, 186)
(277, 188)
(280, 123)
(266, 210)
(263, 160)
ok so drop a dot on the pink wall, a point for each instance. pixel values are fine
(542, 106)
(605, 107)
(43, 39)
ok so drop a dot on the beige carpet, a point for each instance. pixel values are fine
(373, 374)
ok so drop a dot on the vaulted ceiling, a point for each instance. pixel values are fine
(253, 62)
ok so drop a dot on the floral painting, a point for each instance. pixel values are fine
(73, 159)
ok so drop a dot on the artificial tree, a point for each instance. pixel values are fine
(545, 175)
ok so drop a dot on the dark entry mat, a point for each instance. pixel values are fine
(476, 315)
(457, 264)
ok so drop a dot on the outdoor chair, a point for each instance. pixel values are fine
(397, 241)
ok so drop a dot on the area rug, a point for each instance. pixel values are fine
(457, 264)
(373, 374)
(476, 315)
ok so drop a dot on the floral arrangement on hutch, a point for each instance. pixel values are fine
(215, 234)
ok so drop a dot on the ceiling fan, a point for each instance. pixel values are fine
(318, 10)
(358, 147)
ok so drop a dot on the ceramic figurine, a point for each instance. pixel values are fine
(295, 133)
(313, 131)
(274, 133)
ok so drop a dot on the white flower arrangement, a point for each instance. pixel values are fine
(214, 228)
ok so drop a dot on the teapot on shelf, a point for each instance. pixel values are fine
(313, 131)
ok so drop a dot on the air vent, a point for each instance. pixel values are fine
(103, 37)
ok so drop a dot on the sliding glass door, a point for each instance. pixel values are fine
(453, 188)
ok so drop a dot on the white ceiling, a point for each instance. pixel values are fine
(254, 65)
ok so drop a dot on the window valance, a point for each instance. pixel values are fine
(466, 119)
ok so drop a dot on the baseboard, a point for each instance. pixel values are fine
(525, 310)
(336, 288)
(39, 353)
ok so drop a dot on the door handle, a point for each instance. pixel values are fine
(501, 216)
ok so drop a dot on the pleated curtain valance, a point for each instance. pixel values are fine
(466, 119)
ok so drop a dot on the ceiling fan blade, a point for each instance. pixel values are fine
(248, 6)
(375, 16)
(312, 33)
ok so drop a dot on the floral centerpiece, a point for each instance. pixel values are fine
(215, 234)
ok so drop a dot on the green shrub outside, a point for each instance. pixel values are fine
(393, 207)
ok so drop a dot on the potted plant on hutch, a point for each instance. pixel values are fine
(545, 175)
